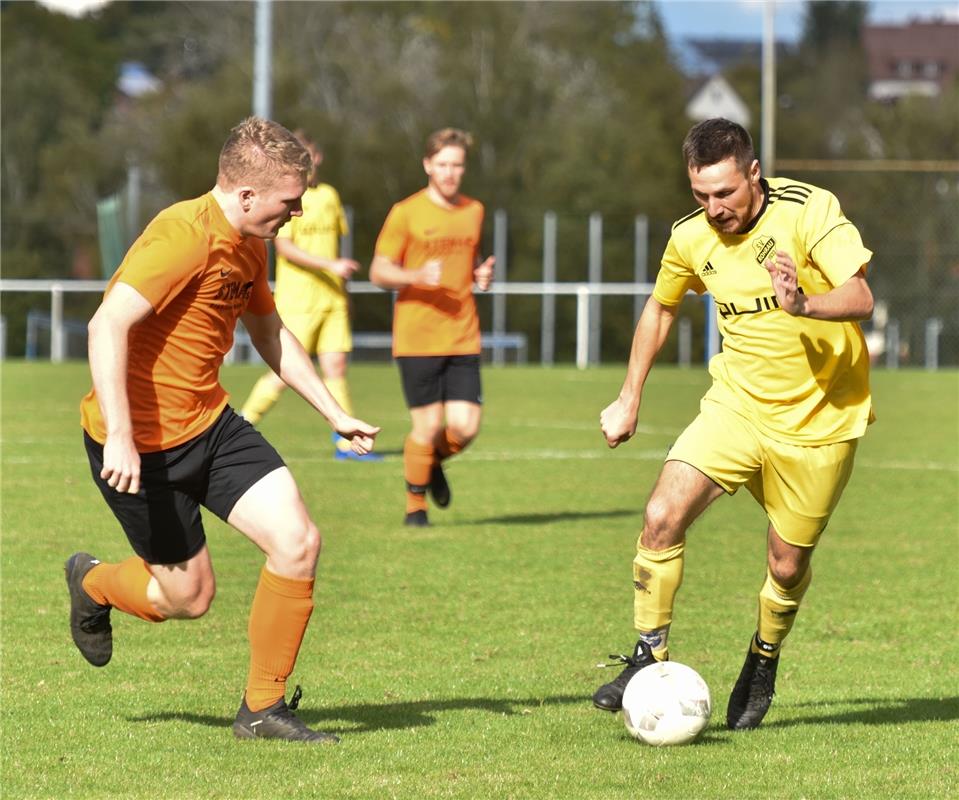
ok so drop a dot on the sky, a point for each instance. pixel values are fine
(743, 19)
(734, 19)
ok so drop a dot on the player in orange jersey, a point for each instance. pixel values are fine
(428, 249)
(162, 440)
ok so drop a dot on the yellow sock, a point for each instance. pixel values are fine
(657, 576)
(261, 399)
(777, 612)
(340, 389)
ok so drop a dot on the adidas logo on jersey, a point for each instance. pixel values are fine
(707, 271)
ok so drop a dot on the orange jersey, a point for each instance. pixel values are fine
(200, 275)
(434, 320)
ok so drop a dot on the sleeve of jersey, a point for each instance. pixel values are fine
(164, 260)
(832, 241)
(261, 298)
(391, 243)
(675, 277)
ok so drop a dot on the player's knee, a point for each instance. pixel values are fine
(661, 525)
(464, 432)
(300, 545)
(787, 569)
(193, 601)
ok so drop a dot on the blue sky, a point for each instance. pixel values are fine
(743, 19)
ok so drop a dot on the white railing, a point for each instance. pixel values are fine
(586, 323)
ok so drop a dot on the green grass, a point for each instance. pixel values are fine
(458, 661)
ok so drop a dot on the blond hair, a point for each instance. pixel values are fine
(261, 152)
(448, 137)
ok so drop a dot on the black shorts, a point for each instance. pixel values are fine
(215, 469)
(435, 379)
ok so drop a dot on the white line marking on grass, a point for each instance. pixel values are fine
(582, 426)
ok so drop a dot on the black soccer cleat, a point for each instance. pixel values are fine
(417, 519)
(89, 621)
(609, 696)
(278, 722)
(439, 487)
(753, 693)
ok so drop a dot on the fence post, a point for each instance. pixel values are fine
(640, 261)
(595, 277)
(57, 339)
(499, 300)
(582, 326)
(346, 241)
(548, 326)
(712, 328)
(933, 329)
(685, 341)
(892, 344)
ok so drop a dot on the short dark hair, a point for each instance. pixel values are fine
(714, 140)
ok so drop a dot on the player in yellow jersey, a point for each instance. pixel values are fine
(789, 400)
(311, 297)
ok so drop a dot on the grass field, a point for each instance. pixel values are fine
(458, 661)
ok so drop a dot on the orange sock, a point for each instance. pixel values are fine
(449, 445)
(281, 610)
(417, 463)
(123, 586)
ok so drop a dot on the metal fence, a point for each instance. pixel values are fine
(570, 289)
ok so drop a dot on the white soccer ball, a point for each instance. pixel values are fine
(666, 703)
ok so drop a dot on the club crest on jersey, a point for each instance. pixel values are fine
(763, 246)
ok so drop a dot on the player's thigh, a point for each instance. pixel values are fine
(800, 487)
(162, 520)
(335, 334)
(305, 326)
(722, 445)
(428, 422)
(461, 380)
(422, 379)
(272, 514)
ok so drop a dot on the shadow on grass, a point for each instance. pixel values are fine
(874, 711)
(562, 516)
(384, 716)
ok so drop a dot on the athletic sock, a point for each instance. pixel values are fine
(340, 389)
(278, 618)
(657, 575)
(777, 613)
(417, 463)
(449, 445)
(261, 399)
(123, 586)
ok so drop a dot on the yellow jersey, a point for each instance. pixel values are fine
(800, 380)
(318, 232)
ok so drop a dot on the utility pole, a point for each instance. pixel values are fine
(263, 59)
(768, 135)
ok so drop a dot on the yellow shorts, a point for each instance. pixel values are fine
(325, 330)
(798, 486)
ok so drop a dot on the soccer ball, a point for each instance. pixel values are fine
(666, 703)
